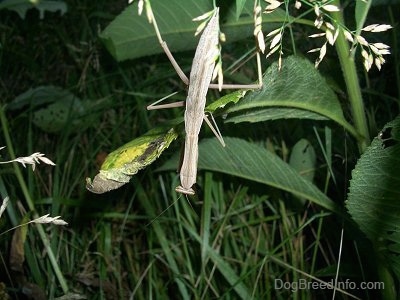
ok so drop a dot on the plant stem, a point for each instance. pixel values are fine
(352, 83)
(29, 201)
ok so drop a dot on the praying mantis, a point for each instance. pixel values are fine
(199, 80)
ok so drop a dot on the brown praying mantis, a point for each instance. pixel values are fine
(201, 75)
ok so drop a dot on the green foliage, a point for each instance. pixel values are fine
(269, 205)
(21, 7)
(128, 30)
(361, 12)
(374, 192)
(250, 161)
(303, 159)
(53, 108)
(298, 90)
(121, 164)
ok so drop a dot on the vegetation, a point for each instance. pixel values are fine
(303, 197)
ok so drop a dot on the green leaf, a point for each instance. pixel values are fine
(246, 160)
(223, 266)
(53, 108)
(131, 36)
(373, 199)
(21, 7)
(239, 7)
(361, 12)
(278, 113)
(303, 159)
(121, 164)
(224, 100)
(363, 7)
(385, 2)
(298, 86)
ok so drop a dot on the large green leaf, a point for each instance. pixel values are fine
(243, 159)
(374, 197)
(21, 7)
(297, 89)
(276, 113)
(131, 36)
(53, 108)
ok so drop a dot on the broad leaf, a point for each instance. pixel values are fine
(298, 88)
(54, 108)
(131, 36)
(277, 113)
(21, 7)
(373, 199)
(243, 159)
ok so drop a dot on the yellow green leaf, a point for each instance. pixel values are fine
(128, 159)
